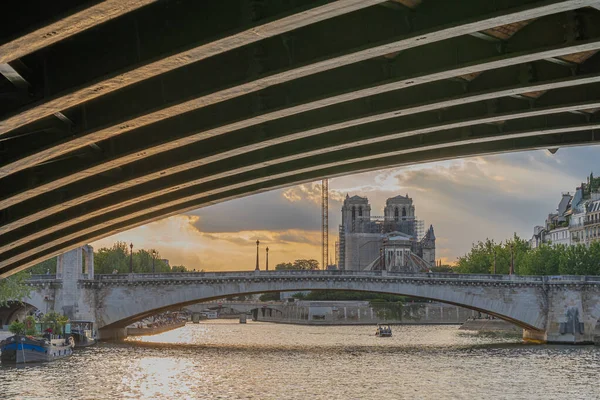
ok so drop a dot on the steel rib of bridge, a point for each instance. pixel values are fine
(445, 89)
(543, 124)
(299, 158)
(141, 144)
(67, 27)
(344, 139)
(300, 17)
(456, 137)
(83, 236)
(395, 37)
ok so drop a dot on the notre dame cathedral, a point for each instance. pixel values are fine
(392, 242)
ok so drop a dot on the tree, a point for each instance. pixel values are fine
(271, 296)
(117, 257)
(301, 264)
(55, 321)
(442, 268)
(48, 265)
(306, 264)
(106, 260)
(29, 324)
(17, 328)
(543, 260)
(480, 260)
(341, 295)
(284, 266)
(14, 288)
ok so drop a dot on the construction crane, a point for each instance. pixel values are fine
(324, 223)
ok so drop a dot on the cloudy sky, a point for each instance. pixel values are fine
(466, 200)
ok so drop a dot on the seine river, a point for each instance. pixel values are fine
(227, 360)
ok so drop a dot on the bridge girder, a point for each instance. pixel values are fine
(351, 38)
(144, 212)
(145, 149)
(388, 87)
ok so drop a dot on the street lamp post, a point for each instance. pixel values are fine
(267, 258)
(512, 261)
(131, 258)
(153, 258)
(257, 268)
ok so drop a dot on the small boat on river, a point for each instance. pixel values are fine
(83, 333)
(383, 331)
(20, 349)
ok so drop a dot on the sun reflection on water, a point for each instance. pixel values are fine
(225, 359)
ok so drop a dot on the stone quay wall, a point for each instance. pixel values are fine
(362, 313)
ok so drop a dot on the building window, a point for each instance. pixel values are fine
(353, 213)
(396, 214)
(360, 211)
(403, 212)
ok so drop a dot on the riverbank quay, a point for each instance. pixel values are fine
(154, 330)
(305, 312)
(490, 325)
(4, 334)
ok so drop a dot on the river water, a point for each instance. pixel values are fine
(227, 360)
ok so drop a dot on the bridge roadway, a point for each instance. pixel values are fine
(562, 309)
(152, 108)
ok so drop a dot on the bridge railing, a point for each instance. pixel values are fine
(319, 273)
(40, 277)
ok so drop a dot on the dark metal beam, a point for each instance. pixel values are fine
(451, 58)
(461, 112)
(190, 163)
(430, 27)
(310, 152)
(249, 33)
(14, 77)
(102, 227)
(67, 27)
(285, 161)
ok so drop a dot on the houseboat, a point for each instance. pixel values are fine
(20, 349)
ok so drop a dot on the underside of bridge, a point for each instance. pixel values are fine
(199, 300)
(124, 303)
(117, 113)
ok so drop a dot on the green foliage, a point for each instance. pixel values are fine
(48, 266)
(442, 268)
(106, 260)
(14, 288)
(342, 295)
(118, 257)
(272, 296)
(29, 325)
(543, 260)
(301, 264)
(480, 260)
(17, 328)
(55, 321)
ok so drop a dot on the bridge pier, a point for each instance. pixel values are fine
(112, 333)
(572, 315)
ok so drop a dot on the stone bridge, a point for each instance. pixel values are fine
(563, 309)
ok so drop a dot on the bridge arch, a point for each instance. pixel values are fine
(124, 302)
(15, 310)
